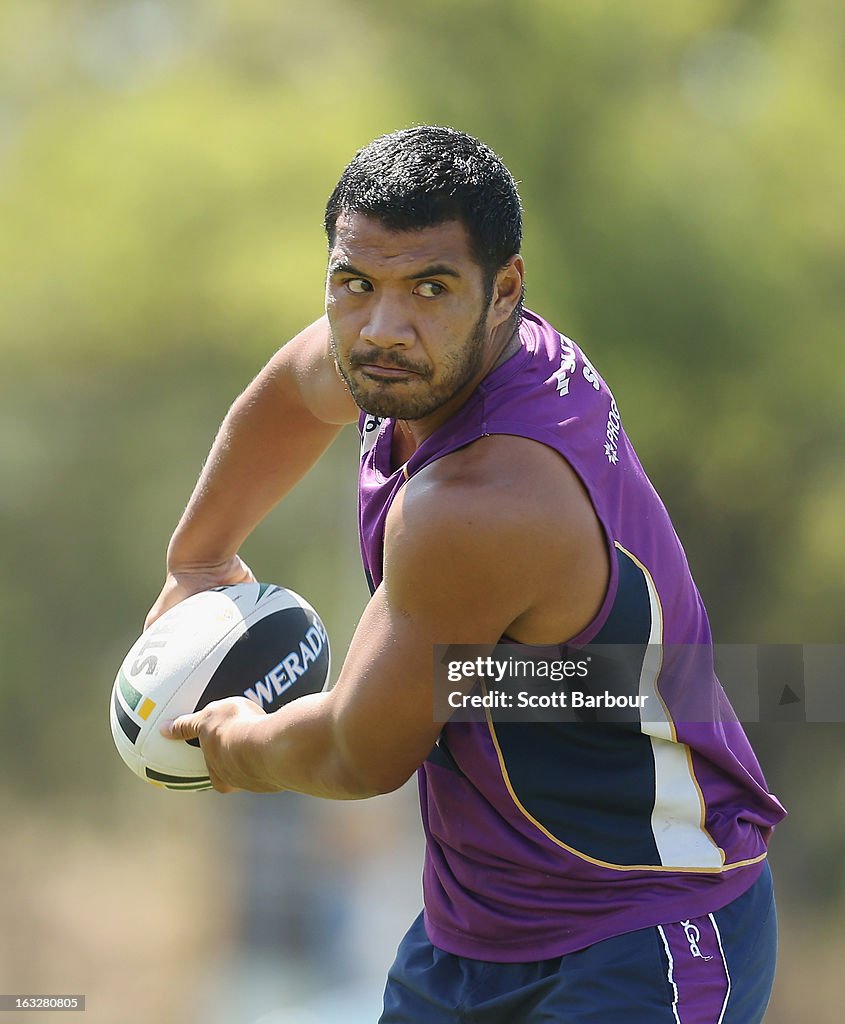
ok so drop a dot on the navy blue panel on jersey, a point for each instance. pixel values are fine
(629, 621)
(441, 755)
(591, 783)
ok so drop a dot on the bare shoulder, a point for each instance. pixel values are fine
(307, 359)
(505, 523)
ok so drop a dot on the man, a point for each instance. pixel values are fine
(591, 871)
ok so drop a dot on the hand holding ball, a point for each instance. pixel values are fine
(252, 640)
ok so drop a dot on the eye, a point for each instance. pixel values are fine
(358, 286)
(429, 289)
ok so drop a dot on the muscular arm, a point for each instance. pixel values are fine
(272, 435)
(467, 558)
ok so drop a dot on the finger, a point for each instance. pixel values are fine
(186, 727)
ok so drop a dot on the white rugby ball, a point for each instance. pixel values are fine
(255, 640)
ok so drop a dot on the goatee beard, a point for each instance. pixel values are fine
(388, 400)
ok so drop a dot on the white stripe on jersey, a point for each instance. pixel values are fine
(678, 813)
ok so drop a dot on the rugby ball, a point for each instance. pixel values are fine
(253, 640)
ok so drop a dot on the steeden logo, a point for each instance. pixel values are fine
(369, 433)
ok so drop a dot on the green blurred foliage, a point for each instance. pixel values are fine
(163, 169)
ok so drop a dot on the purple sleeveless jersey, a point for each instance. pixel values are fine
(543, 838)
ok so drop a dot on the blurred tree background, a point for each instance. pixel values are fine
(163, 169)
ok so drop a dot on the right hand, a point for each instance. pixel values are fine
(182, 583)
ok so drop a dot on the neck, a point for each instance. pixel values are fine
(504, 342)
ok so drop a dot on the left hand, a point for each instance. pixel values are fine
(221, 727)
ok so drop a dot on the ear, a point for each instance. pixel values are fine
(507, 289)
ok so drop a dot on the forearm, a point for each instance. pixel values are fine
(297, 749)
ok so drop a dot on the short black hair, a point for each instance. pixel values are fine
(422, 176)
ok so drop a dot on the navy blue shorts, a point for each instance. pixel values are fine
(716, 969)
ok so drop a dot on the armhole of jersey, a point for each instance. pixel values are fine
(591, 630)
(531, 433)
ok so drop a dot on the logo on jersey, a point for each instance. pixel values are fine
(369, 432)
(591, 374)
(614, 426)
(693, 938)
(567, 365)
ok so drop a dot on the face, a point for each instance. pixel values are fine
(408, 316)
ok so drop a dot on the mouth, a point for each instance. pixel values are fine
(378, 372)
(384, 372)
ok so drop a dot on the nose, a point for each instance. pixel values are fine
(388, 325)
